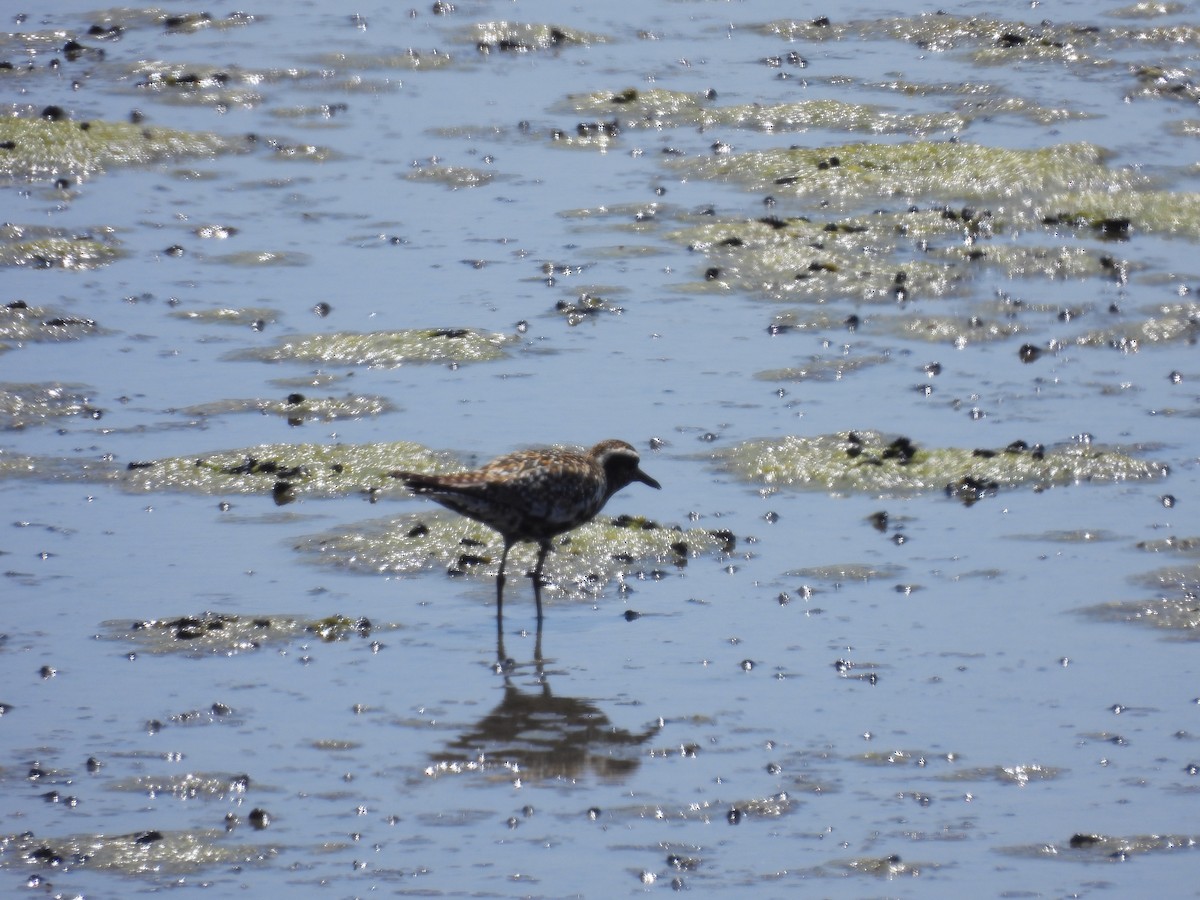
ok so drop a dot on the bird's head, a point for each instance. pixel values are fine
(621, 465)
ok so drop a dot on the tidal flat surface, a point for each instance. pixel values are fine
(898, 305)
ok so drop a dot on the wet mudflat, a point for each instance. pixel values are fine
(899, 307)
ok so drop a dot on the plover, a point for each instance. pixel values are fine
(534, 495)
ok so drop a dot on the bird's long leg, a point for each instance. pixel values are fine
(500, 582)
(543, 549)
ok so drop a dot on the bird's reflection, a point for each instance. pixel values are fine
(540, 735)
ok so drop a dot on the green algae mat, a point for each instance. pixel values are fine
(586, 559)
(33, 148)
(852, 462)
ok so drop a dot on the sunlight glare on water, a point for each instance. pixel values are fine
(861, 693)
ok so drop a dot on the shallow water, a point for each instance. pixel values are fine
(946, 726)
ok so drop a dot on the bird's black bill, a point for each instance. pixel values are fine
(641, 476)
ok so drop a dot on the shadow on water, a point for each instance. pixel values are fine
(539, 735)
